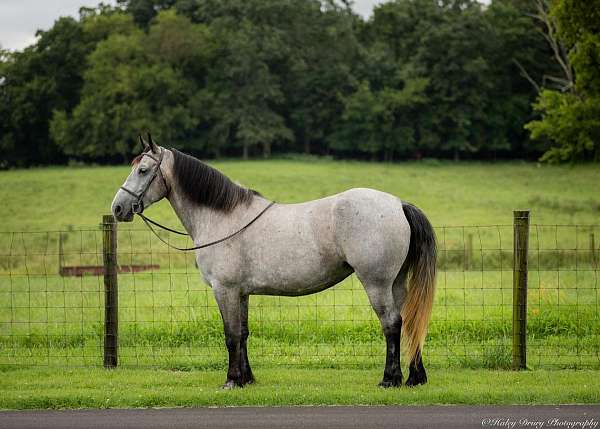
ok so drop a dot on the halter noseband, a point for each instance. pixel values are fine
(138, 205)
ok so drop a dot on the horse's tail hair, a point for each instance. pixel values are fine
(420, 263)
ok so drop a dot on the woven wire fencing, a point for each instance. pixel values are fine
(52, 305)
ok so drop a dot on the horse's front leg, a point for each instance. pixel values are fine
(247, 376)
(229, 301)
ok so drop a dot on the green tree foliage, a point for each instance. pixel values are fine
(45, 77)
(381, 121)
(512, 49)
(570, 120)
(136, 81)
(449, 78)
(35, 81)
(571, 123)
(453, 55)
(470, 99)
(143, 11)
(280, 69)
(320, 71)
(244, 93)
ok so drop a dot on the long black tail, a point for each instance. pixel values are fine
(420, 263)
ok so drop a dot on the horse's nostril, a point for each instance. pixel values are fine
(118, 209)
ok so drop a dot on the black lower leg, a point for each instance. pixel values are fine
(392, 374)
(234, 374)
(247, 376)
(417, 374)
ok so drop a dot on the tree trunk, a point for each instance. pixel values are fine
(306, 145)
(245, 151)
(456, 155)
(267, 150)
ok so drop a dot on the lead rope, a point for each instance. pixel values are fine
(166, 228)
(148, 221)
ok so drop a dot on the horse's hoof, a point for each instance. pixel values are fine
(230, 384)
(393, 382)
(247, 379)
(416, 380)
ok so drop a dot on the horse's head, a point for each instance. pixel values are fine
(145, 185)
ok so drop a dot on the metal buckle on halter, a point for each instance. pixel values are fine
(137, 207)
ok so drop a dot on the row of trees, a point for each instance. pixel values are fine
(444, 78)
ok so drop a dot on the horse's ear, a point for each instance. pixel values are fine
(143, 143)
(152, 145)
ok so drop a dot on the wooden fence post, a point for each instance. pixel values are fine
(521, 247)
(61, 256)
(111, 292)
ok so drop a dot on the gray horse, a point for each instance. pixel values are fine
(295, 249)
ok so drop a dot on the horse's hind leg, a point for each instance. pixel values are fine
(382, 300)
(247, 376)
(417, 373)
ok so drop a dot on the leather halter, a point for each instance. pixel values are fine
(138, 207)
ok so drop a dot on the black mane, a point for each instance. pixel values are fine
(207, 186)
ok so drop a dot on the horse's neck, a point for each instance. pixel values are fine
(201, 222)
(196, 219)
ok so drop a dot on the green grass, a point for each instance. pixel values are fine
(449, 193)
(97, 388)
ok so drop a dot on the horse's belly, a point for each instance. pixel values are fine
(300, 284)
(294, 264)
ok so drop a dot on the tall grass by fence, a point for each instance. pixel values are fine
(53, 305)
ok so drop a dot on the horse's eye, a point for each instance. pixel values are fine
(143, 170)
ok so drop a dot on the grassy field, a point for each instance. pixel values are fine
(96, 388)
(169, 320)
(449, 193)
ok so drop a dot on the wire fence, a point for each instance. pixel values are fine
(52, 305)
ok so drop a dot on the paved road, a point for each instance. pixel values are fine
(512, 417)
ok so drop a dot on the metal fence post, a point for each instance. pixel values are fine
(521, 246)
(592, 251)
(111, 291)
(469, 252)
